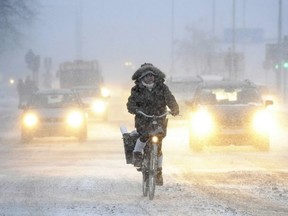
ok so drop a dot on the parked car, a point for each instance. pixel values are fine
(57, 112)
(229, 113)
(96, 101)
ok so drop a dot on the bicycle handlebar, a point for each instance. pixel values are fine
(153, 116)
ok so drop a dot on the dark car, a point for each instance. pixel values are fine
(58, 112)
(229, 113)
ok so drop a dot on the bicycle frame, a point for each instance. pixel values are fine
(150, 157)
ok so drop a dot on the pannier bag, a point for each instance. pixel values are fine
(129, 140)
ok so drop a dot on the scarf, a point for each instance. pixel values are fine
(149, 86)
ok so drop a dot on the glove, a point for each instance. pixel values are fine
(175, 113)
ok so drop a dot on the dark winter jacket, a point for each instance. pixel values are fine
(152, 102)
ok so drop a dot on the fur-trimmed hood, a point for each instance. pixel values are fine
(148, 67)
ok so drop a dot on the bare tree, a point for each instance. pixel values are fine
(197, 51)
(14, 16)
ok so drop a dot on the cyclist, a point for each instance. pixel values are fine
(151, 96)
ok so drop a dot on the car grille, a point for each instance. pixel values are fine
(52, 119)
(233, 120)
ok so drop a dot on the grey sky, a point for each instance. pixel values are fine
(116, 31)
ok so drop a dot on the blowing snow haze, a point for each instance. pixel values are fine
(226, 154)
(181, 37)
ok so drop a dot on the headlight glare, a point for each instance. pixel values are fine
(98, 106)
(75, 119)
(201, 122)
(30, 120)
(155, 139)
(263, 121)
(105, 92)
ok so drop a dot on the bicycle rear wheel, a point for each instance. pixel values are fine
(152, 170)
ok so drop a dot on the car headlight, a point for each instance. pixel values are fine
(263, 121)
(105, 92)
(30, 120)
(202, 122)
(75, 119)
(98, 106)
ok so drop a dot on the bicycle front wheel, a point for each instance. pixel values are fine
(145, 181)
(152, 170)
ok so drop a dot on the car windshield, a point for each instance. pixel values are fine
(53, 100)
(230, 96)
(84, 93)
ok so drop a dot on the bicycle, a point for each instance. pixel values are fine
(150, 156)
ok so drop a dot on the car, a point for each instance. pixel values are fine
(229, 113)
(95, 100)
(53, 112)
(184, 86)
(269, 93)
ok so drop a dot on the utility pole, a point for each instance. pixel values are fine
(233, 73)
(212, 55)
(172, 39)
(279, 41)
(78, 30)
(213, 18)
(242, 75)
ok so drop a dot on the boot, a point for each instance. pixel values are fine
(137, 159)
(159, 177)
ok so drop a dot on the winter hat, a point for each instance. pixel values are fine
(145, 69)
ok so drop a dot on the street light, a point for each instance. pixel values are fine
(11, 81)
(129, 64)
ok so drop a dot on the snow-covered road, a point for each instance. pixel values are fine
(58, 176)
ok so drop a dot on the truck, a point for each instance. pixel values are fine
(85, 79)
(79, 73)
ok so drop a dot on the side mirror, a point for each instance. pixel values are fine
(268, 103)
